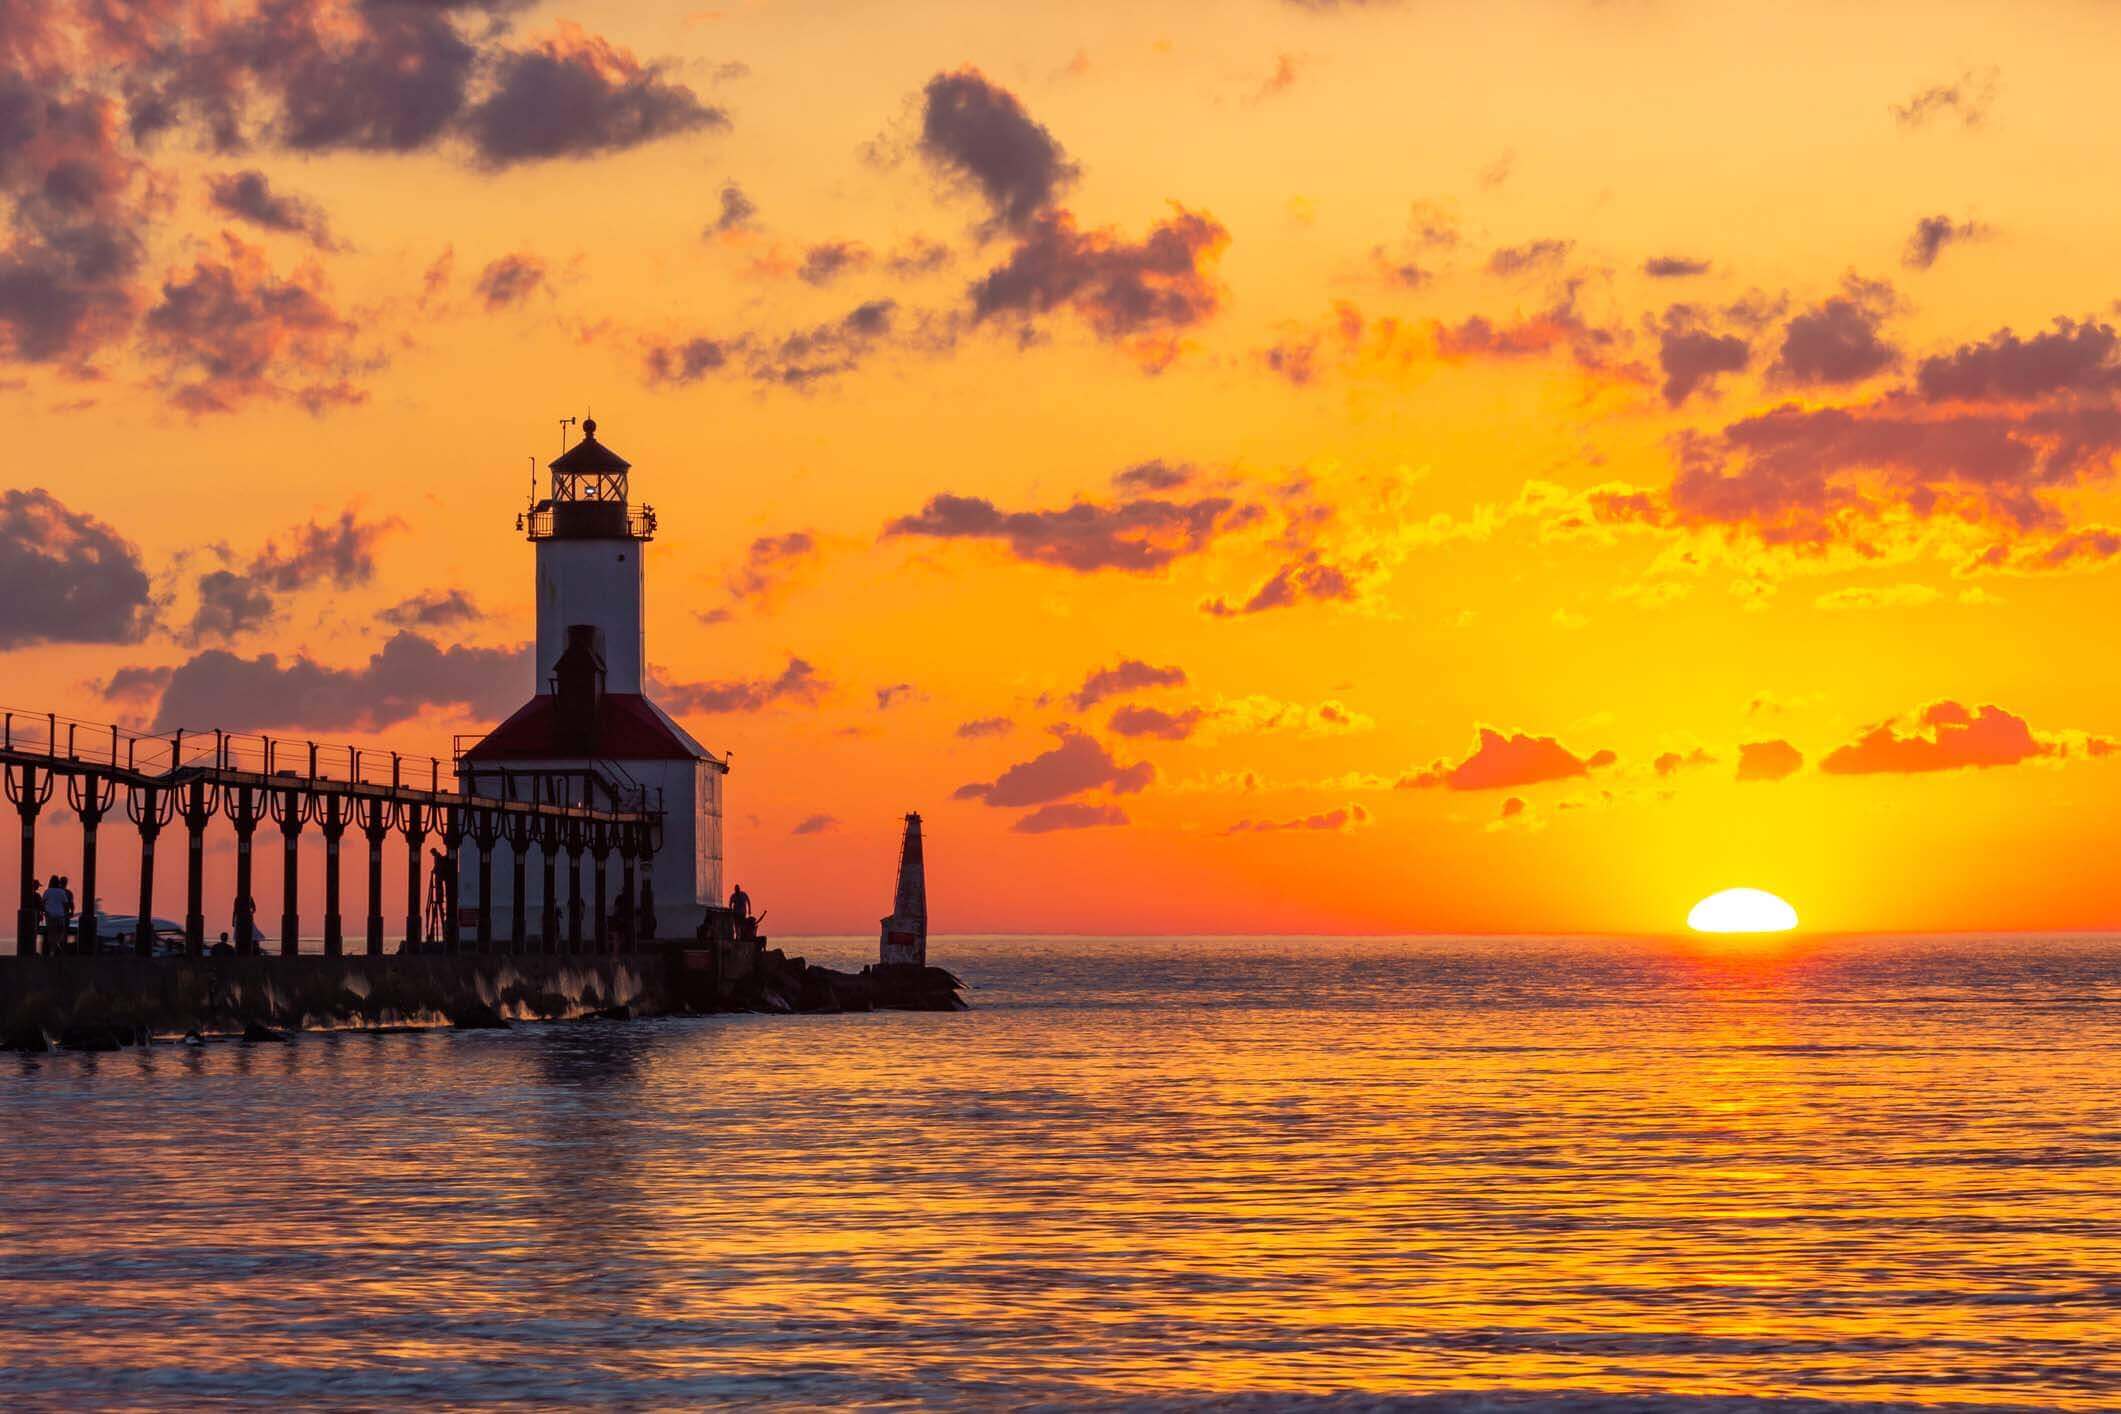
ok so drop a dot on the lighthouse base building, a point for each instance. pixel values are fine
(589, 735)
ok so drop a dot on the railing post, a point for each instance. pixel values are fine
(199, 805)
(332, 814)
(516, 826)
(290, 807)
(548, 855)
(377, 819)
(151, 808)
(28, 790)
(415, 827)
(243, 814)
(574, 886)
(485, 833)
(91, 796)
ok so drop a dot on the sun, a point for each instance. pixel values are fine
(1742, 911)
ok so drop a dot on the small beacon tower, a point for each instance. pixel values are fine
(905, 937)
(588, 716)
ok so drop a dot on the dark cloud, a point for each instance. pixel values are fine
(978, 133)
(249, 196)
(229, 604)
(1559, 326)
(77, 204)
(822, 264)
(434, 609)
(1139, 536)
(1499, 761)
(1531, 256)
(1673, 267)
(143, 684)
(1347, 817)
(798, 682)
(1127, 675)
(1692, 352)
(339, 552)
(917, 255)
(688, 361)
(892, 694)
(1138, 294)
(1135, 720)
(801, 359)
(816, 825)
(2070, 358)
(1837, 341)
(736, 212)
(217, 688)
(512, 278)
(1310, 578)
(66, 577)
(1768, 760)
(2086, 547)
(1153, 476)
(1079, 763)
(1811, 475)
(1068, 815)
(574, 94)
(1932, 234)
(769, 562)
(231, 330)
(980, 727)
(1967, 98)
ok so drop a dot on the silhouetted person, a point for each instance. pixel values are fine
(58, 908)
(222, 949)
(740, 905)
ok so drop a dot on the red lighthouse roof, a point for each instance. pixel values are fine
(628, 727)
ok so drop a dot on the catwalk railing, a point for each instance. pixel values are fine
(251, 780)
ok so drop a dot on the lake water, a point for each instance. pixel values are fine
(1487, 1173)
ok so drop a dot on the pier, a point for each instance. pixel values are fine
(191, 778)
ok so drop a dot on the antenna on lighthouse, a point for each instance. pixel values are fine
(565, 423)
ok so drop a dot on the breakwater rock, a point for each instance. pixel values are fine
(104, 1003)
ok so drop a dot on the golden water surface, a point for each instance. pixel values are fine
(1878, 1171)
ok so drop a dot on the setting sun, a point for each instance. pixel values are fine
(1742, 911)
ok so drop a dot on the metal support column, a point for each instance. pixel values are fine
(290, 808)
(332, 813)
(243, 814)
(413, 822)
(91, 796)
(29, 790)
(201, 799)
(378, 818)
(150, 808)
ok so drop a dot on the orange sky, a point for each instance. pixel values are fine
(1542, 462)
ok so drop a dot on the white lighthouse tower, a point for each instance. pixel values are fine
(588, 718)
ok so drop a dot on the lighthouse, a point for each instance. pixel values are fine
(904, 940)
(589, 731)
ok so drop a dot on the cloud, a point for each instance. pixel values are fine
(510, 279)
(1135, 720)
(1068, 815)
(822, 264)
(249, 196)
(1692, 353)
(433, 609)
(143, 684)
(799, 359)
(1967, 98)
(977, 133)
(1127, 675)
(737, 210)
(891, 695)
(2085, 547)
(1308, 579)
(1281, 80)
(1885, 596)
(231, 331)
(1673, 267)
(687, 361)
(1530, 257)
(1153, 476)
(409, 673)
(1837, 341)
(2072, 358)
(916, 256)
(1932, 234)
(1079, 763)
(1139, 535)
(816, 825)
(1943, 736)
(1499, 761)
(798, 682)
(1768, 760)
(1671, 763)
(1347, 817)
(981, 727)
(574, 94)
(229, 604)
(1137, 294)
(771, 563)
(66, 577)
(1512, 807)
(341, 552)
